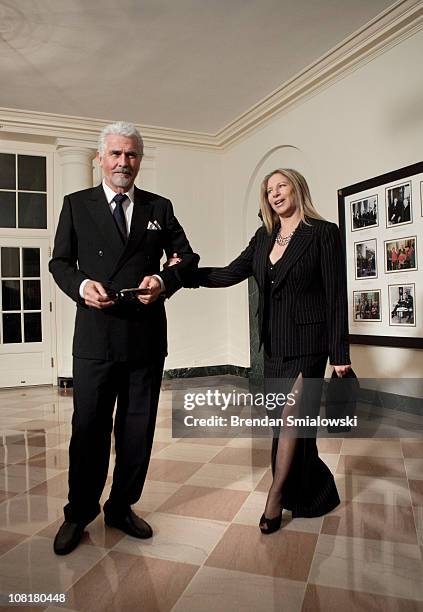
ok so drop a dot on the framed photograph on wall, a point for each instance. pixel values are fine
(367, 306)
(400, 255)
(381, 224)
(398, 204)
(364, 213)
(402, 305)
(365, 259)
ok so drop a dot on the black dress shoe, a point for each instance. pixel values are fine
(131, 524)
(68, 538)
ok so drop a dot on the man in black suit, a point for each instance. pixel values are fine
(109, 238)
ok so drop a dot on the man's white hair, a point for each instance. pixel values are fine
(122, 128)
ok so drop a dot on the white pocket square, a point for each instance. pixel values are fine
(153, 225)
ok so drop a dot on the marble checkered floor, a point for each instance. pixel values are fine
(203, 499)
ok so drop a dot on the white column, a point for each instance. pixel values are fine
(77, 168)
(74, 172)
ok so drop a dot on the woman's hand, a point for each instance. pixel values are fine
(341, 370)
(172, 261)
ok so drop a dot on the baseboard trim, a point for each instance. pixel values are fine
(216, 370)
(66, 382)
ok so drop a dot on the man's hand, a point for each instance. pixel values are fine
(149, 282)
(96, 296)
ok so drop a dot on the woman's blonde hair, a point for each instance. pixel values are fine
(301, 194)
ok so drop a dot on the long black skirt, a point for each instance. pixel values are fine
(309, 489)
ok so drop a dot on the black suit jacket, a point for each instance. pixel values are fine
(88, 245)
(309, 311)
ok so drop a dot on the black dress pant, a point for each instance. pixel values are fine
(97, 386)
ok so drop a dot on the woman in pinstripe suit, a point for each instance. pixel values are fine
(297, 261)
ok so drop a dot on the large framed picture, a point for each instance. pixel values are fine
(381, 223)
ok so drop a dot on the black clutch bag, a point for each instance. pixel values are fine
(341, 400)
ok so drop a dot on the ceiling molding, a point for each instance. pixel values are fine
(400, 21)
(85, 131)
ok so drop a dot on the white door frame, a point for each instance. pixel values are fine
(42, 238)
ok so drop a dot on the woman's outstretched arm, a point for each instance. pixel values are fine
(238, 270)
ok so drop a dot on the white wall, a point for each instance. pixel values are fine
(366, 124)
(197, 319)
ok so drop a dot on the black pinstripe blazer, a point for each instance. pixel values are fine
(309, 311)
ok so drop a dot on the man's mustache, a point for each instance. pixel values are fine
(122, 170)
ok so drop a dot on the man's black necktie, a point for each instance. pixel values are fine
(119, 215)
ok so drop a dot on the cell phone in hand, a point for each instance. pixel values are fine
(132, 292)
(128, 295)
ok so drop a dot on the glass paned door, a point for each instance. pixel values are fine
(25, 313)
(23, 191)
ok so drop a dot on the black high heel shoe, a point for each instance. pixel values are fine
(271, 524)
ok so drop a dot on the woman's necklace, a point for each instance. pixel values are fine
(284, 240)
